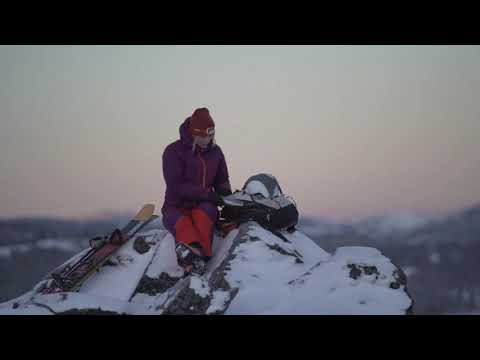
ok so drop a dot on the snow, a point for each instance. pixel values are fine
(311, 252)
(73, 259)
(199, 285)
(5, 251)
(220, 249)
(165, 259)
(123, 278)
(219, 300)
(434, 258)
(329, 289)
(271, 283)
(45, 304)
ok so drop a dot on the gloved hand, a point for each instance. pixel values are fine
(214, 198)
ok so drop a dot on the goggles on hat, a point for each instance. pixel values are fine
(207, 132)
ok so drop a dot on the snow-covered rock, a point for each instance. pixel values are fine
(252, 272)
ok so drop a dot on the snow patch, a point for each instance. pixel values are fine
(220, 249)
(165, 259)
(218, 302)
(199, 285)
(120, 281)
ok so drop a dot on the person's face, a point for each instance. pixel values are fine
(203, 141)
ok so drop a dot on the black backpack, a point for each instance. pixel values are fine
(262, 200)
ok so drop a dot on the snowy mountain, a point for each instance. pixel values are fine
(396, 225)
(321, 227)
(252, 272)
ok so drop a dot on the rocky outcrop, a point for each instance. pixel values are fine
(252, 272)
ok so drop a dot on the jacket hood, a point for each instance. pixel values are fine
(186, 137)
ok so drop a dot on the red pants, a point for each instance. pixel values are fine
(194, 226)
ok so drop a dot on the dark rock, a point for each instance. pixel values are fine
(188, 302)
(140, 245)
(356, 270)
(400, 277)
(109, 263)
(370, 270)
(97, 311)
(150, 286)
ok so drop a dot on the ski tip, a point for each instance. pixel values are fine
(145, 212)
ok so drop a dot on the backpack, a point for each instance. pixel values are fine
(262, 200)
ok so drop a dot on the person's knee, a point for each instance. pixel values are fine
(185, 232)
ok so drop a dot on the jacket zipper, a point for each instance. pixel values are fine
(204, 169)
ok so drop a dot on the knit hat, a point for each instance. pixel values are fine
(201, 123)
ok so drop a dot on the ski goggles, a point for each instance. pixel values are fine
(207, 132)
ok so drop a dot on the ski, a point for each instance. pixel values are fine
(78, 278)
(143, 215)
(71, 276)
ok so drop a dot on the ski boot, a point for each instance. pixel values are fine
(190, 258)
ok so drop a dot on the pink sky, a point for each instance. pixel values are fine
(350, 131)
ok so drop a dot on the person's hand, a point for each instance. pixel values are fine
(215, 198)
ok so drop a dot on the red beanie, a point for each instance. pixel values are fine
(201, 123)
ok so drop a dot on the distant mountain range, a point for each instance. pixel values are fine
(461, 226)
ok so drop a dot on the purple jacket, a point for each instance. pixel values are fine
(189, 175)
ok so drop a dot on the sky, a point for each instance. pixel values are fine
(349, 131)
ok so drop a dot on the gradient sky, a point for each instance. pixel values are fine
(349, 131)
